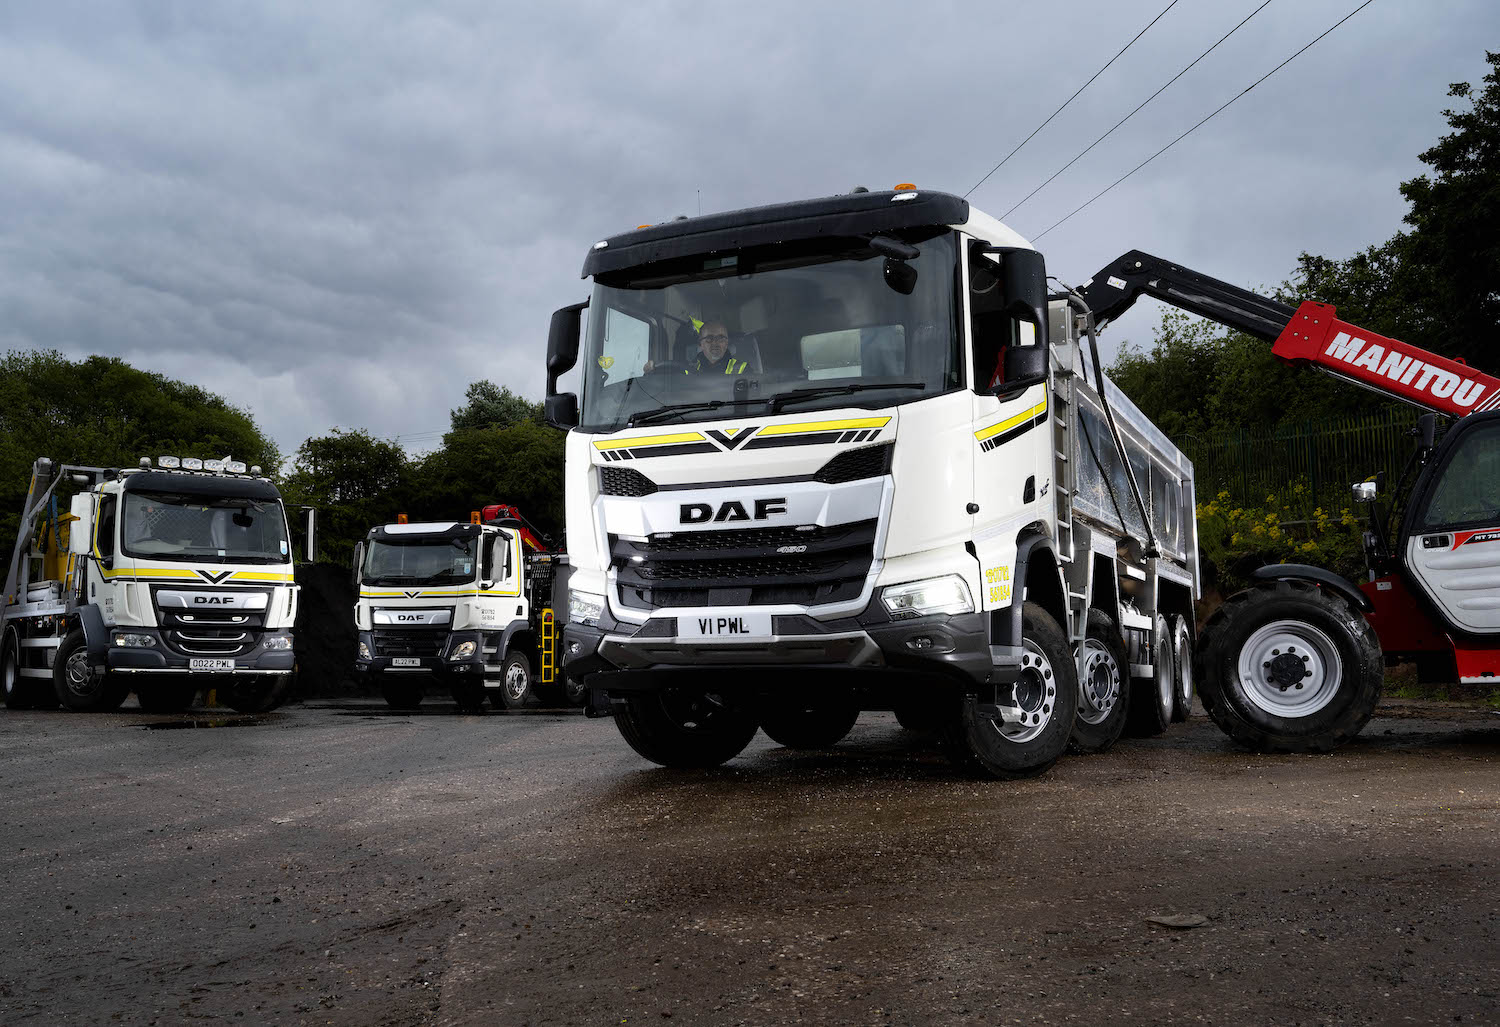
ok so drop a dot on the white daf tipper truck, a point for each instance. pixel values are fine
(158, 580)
(468, 606)
(847, 454)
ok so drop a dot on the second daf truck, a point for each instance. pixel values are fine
(849, 453)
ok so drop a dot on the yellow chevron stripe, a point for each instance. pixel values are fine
(650, 440)
(261, 576)
(1011, 422)
(809, 427)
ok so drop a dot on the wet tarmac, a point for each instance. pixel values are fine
(344, 863)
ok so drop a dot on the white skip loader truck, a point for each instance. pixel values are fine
(850, 454)
(466, 605)
(161, 580)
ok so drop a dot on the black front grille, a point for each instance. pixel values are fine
(857, 464)
(809, 566)
(408, 641)
(215, 633)
(624, 481)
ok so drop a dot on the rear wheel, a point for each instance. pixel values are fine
(1103, 686)
(21, 693)
(809, 725)
(1182, 666)
(171, 697)
(1289, 667)
(404, 694)
(515, 681)
(1046, 693)
(1151, 700)
(684, 728)
(81, 687)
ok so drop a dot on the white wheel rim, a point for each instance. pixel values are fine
(515, 681)
(1267, 669)
(1184, 666)
(1166, 681)
(1035, 693)
(1098, 681)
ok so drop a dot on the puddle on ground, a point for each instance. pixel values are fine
(376, 713)
(204, 722)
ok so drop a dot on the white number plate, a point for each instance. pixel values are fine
(211, 665)
(405, 661)
(732, 625)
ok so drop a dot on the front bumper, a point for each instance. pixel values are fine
(377, 665)
(865, 650)
(158, 659)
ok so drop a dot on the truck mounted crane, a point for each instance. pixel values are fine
(1294, 663)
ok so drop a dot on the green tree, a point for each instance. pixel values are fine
(355, 480)
(487, 405)
(521, 465)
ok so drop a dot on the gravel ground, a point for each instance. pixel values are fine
(336, 863)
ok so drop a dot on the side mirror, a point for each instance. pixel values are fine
(310, 534)
(1365, 491)
(1025, 366)
(359, 561)
(1427, 429)
(562, 410)
(562, 343)
(81, 530)
(1024, 279)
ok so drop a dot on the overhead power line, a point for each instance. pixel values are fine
(1133, 113)
(1205, 121)
(1070, 99)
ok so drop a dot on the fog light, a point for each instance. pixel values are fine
(364, 651)
(462, 651)
(574, 648)
(919, 643)
(278, 641)
(135, 641)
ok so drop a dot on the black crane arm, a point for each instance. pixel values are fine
(1118, 285)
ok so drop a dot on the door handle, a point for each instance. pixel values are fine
(1435, 541)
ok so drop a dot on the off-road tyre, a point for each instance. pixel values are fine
(684, 728)
(21, 693)
(1103, 686)
(1048, 690)
(260, 694)
(1151, 699)
(516, 681)
(79, 688)
(405, 694)
(922, 717)
(468, 693)
(575, 692)
(166, 697)
(1182, 668)
(1256, 711)
(804, 725)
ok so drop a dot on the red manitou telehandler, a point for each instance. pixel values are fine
(1295, 663)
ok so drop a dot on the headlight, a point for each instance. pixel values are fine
(135, 641)
(364, 651)
(947, 594)
(278, 641)
(584, 608)
(462, 651)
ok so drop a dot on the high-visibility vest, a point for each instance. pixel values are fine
(731, 366)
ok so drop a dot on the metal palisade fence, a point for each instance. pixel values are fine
(1325, 455)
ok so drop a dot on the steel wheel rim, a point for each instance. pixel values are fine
(1098, 682)
(9, 673)
(1166, 681)
(515, 682)
(1185, 667)
(1035, 693)
(81, 681)
(1266, 669)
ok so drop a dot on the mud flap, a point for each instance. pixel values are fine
(95, 635)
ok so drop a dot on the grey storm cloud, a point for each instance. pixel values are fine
(339, 214)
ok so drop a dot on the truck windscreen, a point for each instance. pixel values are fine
(206, 529)
(419, 561)
(794, 327)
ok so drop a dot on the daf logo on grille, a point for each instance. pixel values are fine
(792, 549)
(213, 600)
(734, 510)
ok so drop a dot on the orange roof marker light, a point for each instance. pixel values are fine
(904, 187)
(401, 518)
(642, 226)
(473, 516)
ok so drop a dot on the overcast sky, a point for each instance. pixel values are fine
(340, 213)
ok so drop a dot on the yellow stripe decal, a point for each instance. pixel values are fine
(809, 427)
(650, 440)
(260, 576)
(1011, 422)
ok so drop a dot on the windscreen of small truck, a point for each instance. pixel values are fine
(791, 327)
(209, 529)
(418, 561)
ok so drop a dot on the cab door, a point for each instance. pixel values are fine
(1452, 531)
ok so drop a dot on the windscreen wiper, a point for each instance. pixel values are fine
(781, 399)
(676, 408)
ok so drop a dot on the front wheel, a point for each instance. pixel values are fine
(172, 697)
(468, 693)
(1289, 667)
(515, 681)
(684, 728)
(81, 687)
(809, 725)
(260, 694)
(1046, 695)
(405, 694)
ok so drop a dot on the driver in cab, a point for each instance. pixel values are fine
(713, 352)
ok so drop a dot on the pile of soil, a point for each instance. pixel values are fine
(325, 637)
